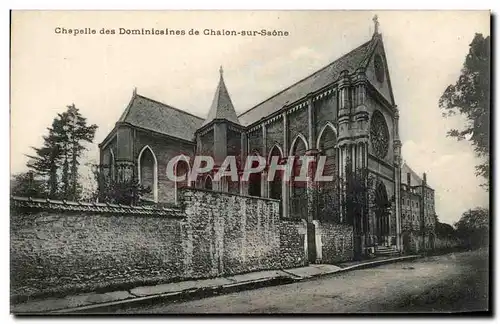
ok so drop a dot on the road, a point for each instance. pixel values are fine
(447, 283)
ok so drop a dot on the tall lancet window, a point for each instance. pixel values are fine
(111, 165)
(328, 191)
(298, 192)
(275, 186)
(208, 183)
(148, 173)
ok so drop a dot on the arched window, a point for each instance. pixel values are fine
(328, 192)
(181, 169)
(208, 183)
(382, 206)
(111, 165)
(147, 166)
(298, 192)
(275, 186)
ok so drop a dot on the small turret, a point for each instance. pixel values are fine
(222, 106)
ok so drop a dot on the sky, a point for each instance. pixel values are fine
(425, 51)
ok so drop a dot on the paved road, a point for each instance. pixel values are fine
(452, 282)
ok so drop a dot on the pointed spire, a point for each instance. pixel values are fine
(376, 24)
(222, 106)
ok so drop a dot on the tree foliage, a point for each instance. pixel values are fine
(110, 190)
(57, 160)
(352, 196)
(444, 230)
(473, 227)
(25, 184)
(470, 97)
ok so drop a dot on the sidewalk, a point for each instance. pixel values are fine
(192, 289)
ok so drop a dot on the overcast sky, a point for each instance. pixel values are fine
(425, 51)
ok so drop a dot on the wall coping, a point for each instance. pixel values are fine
(294, 220)
(228, 194)
(104, 208)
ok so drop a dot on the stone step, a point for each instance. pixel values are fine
(386, 250)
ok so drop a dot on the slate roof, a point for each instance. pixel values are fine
(159, 117)
(156, 116)
(222, 106)
(73, 206)
(321, 78)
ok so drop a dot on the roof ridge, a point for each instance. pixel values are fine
(413, 172)
(169, 106)
(306, 77)
(127, 109)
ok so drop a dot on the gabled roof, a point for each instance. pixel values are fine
(156, 116)
(321, 78)
(222, 106)
(414, 178)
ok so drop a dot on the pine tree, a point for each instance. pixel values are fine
(75, 133)
(46, 161)
(60, 153)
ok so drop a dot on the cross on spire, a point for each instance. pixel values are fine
(376, 23)
(221, 71)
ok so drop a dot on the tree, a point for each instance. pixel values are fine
(59, 156)
(45, 162)
(473, 227)
(26, 185)
(75, 133)
(117, 192)
(470, 97)
(444, 230)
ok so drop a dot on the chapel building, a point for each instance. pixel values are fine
(344, 111)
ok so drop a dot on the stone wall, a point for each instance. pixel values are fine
(60, 247)
(334, 242)
(442, 243)
(59, 250)
(297, 124)
(293, 243)
(231, 233)
(274, 135)
(326, 110)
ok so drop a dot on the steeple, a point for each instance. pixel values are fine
(222, 106)
(376, 24)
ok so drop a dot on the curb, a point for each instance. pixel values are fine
(187, 294)
(373, 264)
(365, 265)
(198, 293)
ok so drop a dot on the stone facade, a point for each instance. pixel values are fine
(345, 111)
(418, 214)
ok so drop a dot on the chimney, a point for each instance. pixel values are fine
(408, 179)
(425, 178)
